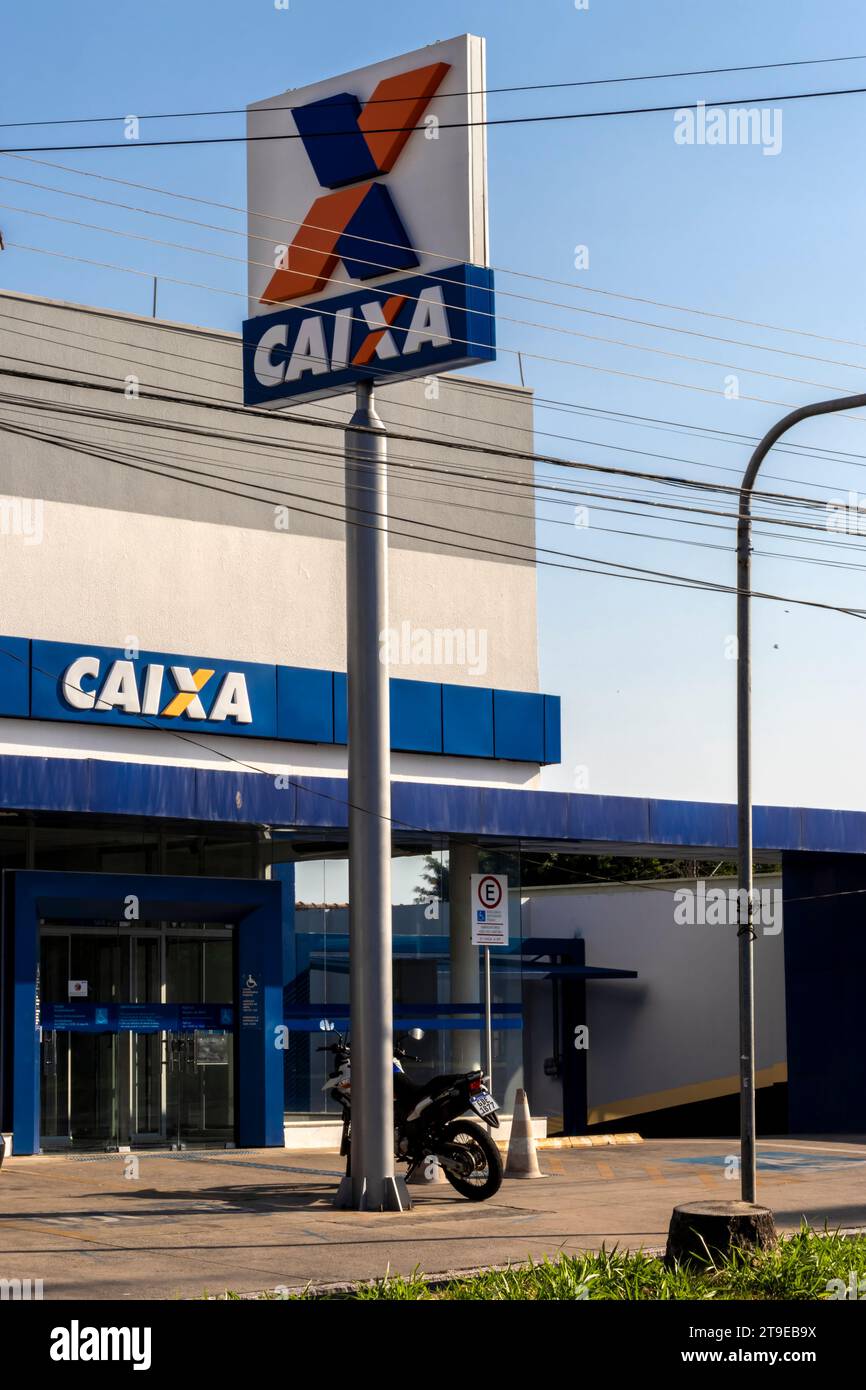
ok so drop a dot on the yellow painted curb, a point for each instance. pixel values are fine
(580, 1141)
(587, 1141)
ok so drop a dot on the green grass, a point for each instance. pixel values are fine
(798, 1268)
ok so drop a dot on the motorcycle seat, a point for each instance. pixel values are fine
(430, 1088)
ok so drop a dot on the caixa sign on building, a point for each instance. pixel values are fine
(296, 704)
(368, 227)
(151, 689)
(395, 332)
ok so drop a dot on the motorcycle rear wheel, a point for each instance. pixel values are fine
(484, 1178)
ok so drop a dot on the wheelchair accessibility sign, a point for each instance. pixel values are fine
(489, 909)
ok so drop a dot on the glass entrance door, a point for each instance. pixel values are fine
(200, 1060)
(147, 1079)
(137, 1042)
(80, 1069)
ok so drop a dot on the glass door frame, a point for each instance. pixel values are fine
(144, 1138)
(126, 1082)
(54, 1143)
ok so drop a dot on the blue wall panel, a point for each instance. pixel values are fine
(518, 725)
(467, 721)
(15, 676)
(552, 729)
(781, 825)
(621, 819)
(693, 823)
(833, 830)
(305, 704)
(416, 716)
(825, 966)
(341, 707)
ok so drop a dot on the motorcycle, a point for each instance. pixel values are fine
(426, 1123)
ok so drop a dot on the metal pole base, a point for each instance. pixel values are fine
(395, 1196)
(343, 1199)
(704, 1231)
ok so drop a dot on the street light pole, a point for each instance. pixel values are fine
(745, 930)
(372, 1184)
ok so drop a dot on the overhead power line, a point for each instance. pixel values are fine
(445, 96)
(447, 256)
(407, 464)
(457, 480)
(516, 352)
(613, 569)
(543, 403)
(432, 434)
(426, 467)
(432, 277)
(441, 125)
(475, 446)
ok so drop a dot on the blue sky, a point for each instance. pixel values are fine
(647, 685)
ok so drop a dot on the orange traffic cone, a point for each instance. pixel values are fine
(522, 1159)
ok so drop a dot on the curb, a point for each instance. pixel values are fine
(587, 1141)
(434, 1282)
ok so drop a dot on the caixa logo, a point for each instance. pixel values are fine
(105, 685)
(406, 328)
(131, 690)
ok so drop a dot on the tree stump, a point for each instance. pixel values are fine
(704, 1231)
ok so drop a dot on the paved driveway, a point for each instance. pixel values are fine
(206, 1222)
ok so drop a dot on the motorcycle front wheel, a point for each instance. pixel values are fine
(478, 1174)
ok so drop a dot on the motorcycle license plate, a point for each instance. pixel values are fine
(483, 1103)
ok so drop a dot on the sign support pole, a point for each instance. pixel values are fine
(489, 897)
(488, 1014)
(372, 1185)
(745, 905)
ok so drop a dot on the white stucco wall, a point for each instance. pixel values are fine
(126, 553)
(668, 1037)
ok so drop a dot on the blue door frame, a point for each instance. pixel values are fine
(252, 906)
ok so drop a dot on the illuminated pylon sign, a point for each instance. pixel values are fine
(368, 228)
(359, 226)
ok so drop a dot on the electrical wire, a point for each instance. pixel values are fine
(438, 411)
(517, 352)
(632, 572)
(385, 268)
(167, 456)
(544, 483)
(439, 96)
(210, 403)
(486, 392)
(483, 313)
(484, 123)
(439, 255)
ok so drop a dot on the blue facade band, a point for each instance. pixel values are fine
(159, 690)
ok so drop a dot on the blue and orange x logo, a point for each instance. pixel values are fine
(349, 147)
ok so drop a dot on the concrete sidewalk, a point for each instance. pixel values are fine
(205, 1222)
